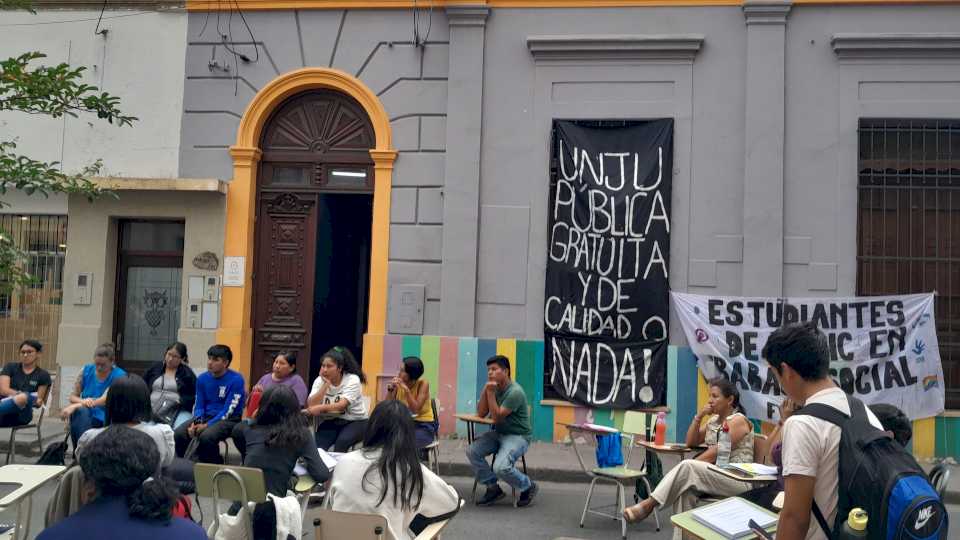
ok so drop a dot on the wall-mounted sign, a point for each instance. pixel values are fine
(233, 271)
(206, 261)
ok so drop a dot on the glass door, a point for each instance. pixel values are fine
(149, 283)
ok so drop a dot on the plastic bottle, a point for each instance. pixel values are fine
(855, 526)
(723, 446)
(660, 436)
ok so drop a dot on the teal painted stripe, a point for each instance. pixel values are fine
(687, 374)
(947, 437)
(603, 417)
(466, 380)
(527, 375)
(672, 393)
(543, 419)
(411, 346)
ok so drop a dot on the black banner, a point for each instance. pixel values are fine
(607, 304)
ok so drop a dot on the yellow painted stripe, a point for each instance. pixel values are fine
(262, 5)
(562, 415)
(703, 391)
(924, 432)
(372, 363)
(508, 347)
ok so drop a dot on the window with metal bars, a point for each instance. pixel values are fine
(908, 222)
(33, 311)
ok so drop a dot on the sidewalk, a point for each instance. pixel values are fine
(547, 462)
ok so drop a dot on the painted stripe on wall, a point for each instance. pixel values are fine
(392, 354)
(485, 349)
(543, 421)
(372, 363)
(923, 438)
(603, 417)
(672, 393)
(527, 376)
(687, 375)
(562, 415)
(430, 354)
(466, 380)
(508, 347)
(411, 346)
(447, 387)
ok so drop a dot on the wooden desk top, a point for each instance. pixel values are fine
(680, 449)
(30, 477)
(473, 418)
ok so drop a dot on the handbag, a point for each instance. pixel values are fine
(167, 411)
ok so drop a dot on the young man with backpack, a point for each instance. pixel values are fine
(836, 455)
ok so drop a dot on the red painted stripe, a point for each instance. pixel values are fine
(447, 391)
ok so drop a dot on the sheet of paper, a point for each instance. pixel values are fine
(730, 517)
(328, 458)
(758, 469)
(210, 316)
(195, 287)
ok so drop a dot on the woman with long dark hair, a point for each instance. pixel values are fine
(128, 404)
(385, 477)
(337, 399)
(131, 501)
(173, 386)
(692, 478)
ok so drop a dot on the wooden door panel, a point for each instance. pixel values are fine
(286, 245)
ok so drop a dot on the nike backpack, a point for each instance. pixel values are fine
(878, 475)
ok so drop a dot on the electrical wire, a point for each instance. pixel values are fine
(103, 7)
(79, 20)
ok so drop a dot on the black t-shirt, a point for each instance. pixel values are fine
(25, 383)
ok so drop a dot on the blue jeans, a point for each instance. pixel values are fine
(508, 449)
(82, 420)
(12, 415)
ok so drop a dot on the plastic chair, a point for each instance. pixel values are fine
(635, 424)
(36, 422)
(231, 483)
(940, 478)
(333, 525)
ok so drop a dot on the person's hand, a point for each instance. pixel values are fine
(68, 410)
(88, 403)
(707, 410)
(20, 400)
(787, 408)
(196, 429)
(491, 386)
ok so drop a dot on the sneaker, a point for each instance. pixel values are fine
(493, 494)
(526, 497)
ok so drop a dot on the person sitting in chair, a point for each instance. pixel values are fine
(504, 401)
(692, 478)
(410, 388)
(23, 386)
(86, 409)
(220, 397)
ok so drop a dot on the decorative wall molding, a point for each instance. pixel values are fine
(766, 11)
(677, 47)
(467, 16)
(872, 46)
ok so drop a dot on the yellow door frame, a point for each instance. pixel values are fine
(236, 308)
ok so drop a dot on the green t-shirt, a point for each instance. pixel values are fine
(518, 421)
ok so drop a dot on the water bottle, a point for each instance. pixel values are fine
(660, 435)
(855, 526)
(723, 446)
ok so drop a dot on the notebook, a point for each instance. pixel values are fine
(755, 469)
(328, 458)
(731, 517)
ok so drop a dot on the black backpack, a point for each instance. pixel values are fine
(55, 454)
(878, 475)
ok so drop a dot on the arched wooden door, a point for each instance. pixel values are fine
(315, 152)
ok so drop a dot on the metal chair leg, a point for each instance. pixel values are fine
(621, 503)
(586, 505)
(656, 515)
(10, 458)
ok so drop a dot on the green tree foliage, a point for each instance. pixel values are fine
(28, 86)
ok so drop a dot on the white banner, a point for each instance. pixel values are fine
(882, 349)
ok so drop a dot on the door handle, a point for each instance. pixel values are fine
(119, 341)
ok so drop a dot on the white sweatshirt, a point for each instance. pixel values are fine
(347, 493)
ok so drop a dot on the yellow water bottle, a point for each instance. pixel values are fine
(856, 524)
